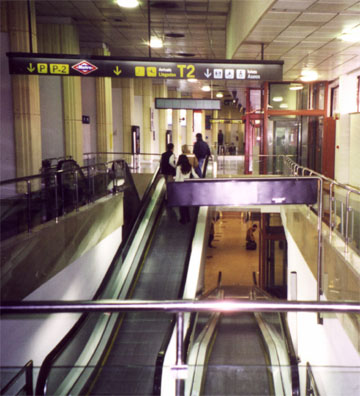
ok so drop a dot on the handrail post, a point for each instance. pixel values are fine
(76, 191)
(179, 366)
(330, 209)
(28, 204)
(347, 221)
(29, 378)
(56, 198)
(319, 255)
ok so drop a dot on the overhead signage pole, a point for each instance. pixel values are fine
(97, 66)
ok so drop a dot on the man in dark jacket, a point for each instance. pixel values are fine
(201, 151)
(168, 163)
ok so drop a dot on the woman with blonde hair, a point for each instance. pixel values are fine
(184, 171)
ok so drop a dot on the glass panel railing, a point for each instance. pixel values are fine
(30, 201)
(84, 345)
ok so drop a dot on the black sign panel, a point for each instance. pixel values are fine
(76, 65)
(193, 104)
(243, 191)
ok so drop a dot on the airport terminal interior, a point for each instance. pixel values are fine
(122, 277)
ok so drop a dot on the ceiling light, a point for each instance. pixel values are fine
(127, 3)
(308, 75)
(206, 88)
(296, 87)
(155, 42)
(277, 99)
(351, 36)
(284, 106)
(193, 80)
(219, 95)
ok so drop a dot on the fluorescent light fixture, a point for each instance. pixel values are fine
(127, 3)
(219, 95)
(308, 75)
(155, 42)
(296, 87)
(206, 88)
(277, 99)
(193, 80)
(351, 36)
(284, 106)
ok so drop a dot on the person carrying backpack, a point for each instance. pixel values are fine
(201, 151)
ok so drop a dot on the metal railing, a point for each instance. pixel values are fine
(345, 190)
(179, 307)
(14, 388)
(311, 387)
(54, 193)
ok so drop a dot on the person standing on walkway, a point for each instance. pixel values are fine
(184, 171)
(220, 142)
(168, 163)
(201, 151)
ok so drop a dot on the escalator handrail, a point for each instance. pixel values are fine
(166, 340)
(122, 250)
(293, 359)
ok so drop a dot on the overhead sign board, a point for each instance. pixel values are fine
(187, 104)
(102, 66)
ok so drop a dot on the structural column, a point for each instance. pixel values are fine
(227, 137)
(162, 92)
(176, 131)
(128, 105)
(104, 112)
(25, 91)
(189, 128)
(72, 98)
(147, 109)
(215, 128)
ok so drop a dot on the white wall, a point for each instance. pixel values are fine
(51, 110)
(7, 142)
(334, 360)
(33, 338)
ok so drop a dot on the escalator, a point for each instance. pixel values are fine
(116, 353)
(243, 354)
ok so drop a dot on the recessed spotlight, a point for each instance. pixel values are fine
(127, 3)
(308, 75)
(193, 80)
(351, 36)
(219, 95)
(206, 88)
(277, 99)
(284, 106)
(155, 42)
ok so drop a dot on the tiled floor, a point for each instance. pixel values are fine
(229, 254)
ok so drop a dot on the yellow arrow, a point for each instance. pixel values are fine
(117, 71)
(31, 68)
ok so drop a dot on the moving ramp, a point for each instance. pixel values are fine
(115, 354)
(242, 353)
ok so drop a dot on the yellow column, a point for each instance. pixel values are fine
(189, 128)
(162, 92)
(176, 131)
(147, 107)
(72, 98)
(128, 106)
(215, 128)
(104, 112)
(25, 92)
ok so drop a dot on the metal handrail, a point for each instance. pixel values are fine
(28, 386)
(211, 305)
(296, 169)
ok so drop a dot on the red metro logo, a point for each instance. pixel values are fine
(84, 67)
